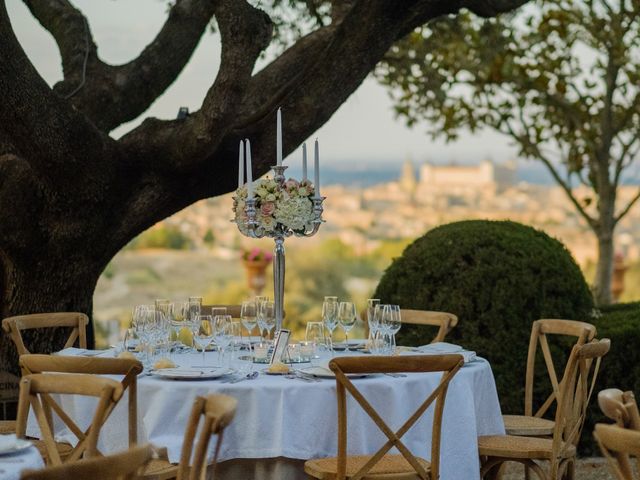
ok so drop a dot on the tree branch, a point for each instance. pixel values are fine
(626, 209)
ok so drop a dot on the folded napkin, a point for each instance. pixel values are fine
(8, 442)
(441, 348)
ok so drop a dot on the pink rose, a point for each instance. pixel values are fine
(291, 184)
(267, 208)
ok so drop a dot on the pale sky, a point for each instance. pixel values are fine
(364, 129)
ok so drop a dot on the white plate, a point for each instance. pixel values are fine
(18, 446)
(191, 373)
(322, 372)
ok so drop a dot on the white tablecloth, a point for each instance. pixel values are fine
(12, 465)
(280, 417)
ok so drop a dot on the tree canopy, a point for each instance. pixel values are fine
(559, 78)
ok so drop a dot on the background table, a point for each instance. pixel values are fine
(12, 465)
(289, 421)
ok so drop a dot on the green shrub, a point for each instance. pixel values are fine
(621, 367)
(498, 277)
(161, 236)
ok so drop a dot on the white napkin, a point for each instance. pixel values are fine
(8, 442)
(441, 348)
(83, 352)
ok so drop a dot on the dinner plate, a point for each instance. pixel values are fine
(18, 445)
(191, 373)
(323, 372)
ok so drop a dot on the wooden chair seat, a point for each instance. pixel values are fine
(528, 426)
(64, 449)
(512, 446)
(160, 469)
(7, 426)
(389, 467)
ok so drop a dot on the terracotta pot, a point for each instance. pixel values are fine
(256, 274)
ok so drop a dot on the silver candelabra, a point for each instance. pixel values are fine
(279, 233)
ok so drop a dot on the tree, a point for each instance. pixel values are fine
(72, 196)
(561, 79)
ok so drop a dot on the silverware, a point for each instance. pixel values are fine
(248, 376)
(396, 375)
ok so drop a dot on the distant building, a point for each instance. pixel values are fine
(408, 180)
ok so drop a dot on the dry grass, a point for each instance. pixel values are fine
(586, 469)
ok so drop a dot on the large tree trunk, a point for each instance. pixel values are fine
(604, 268)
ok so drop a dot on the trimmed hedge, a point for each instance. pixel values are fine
(621, 367)
(497, 277)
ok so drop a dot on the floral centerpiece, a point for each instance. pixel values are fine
(289, 205)
(257, 255)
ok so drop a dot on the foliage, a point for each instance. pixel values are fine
(497, 277)
(162, 236)
(621, 367)
(257, 255)
(561, 79)
(209, 239)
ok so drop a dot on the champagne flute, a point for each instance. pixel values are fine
(222, 334)
(330, 316)
(204, 334)
(269, 316)
(261, 326)
(248, 316)
(347, 319)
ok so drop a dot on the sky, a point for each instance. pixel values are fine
(363, 130)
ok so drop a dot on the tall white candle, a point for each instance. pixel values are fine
(304, 162)
(316, 169)
(249, 173)
(279, 138)
(241, 165)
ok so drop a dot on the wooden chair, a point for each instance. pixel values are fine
(36, 391)
(443, 320)
(381, 465)
(616, 444)
(575, 390)
(125, 465)
(74, 320)
(213, 414)
(532, 423)
(620, 407)
(158, 468)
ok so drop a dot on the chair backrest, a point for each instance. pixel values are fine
(125, 465)
(36, 391)
(443, 320)
(620, 407)
(449, 364)
(75, 320)
(127, 368)
(213, 414)
(233, 310)
(584, 332)
(576, 387)
(616, 444)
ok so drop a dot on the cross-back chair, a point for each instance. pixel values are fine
(533, 423)
(575, 390)
(617, 444)
(443, 320)
(36, 393)
(382, 465)
(620, 407)
(75, 320)
(120, 466)
(209, 416)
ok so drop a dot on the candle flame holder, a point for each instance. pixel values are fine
(247, 218)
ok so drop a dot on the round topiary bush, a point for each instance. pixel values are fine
(497, 277)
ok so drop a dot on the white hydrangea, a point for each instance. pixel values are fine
(294, 212)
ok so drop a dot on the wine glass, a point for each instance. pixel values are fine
(372, 303)
(394, 322)
(222, 334)
(194, 309)
(204, 334)
(248, 316)
(347, 319)
(330, 316)
(260, 299)
(268, 316)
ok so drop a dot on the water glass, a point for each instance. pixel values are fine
(307, 351)
(315, 335)
(347, 318)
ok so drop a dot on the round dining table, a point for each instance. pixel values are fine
(281, 421)
(12, 464)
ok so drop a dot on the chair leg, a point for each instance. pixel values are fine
(490, 468)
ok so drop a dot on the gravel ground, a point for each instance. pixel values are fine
(586, 469)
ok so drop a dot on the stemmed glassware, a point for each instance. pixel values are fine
(347, 319)
(267, 316)
(330, 316)
(315, 335)
(203, 334)
(222, 334)
(249, 316)
(390, 322)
